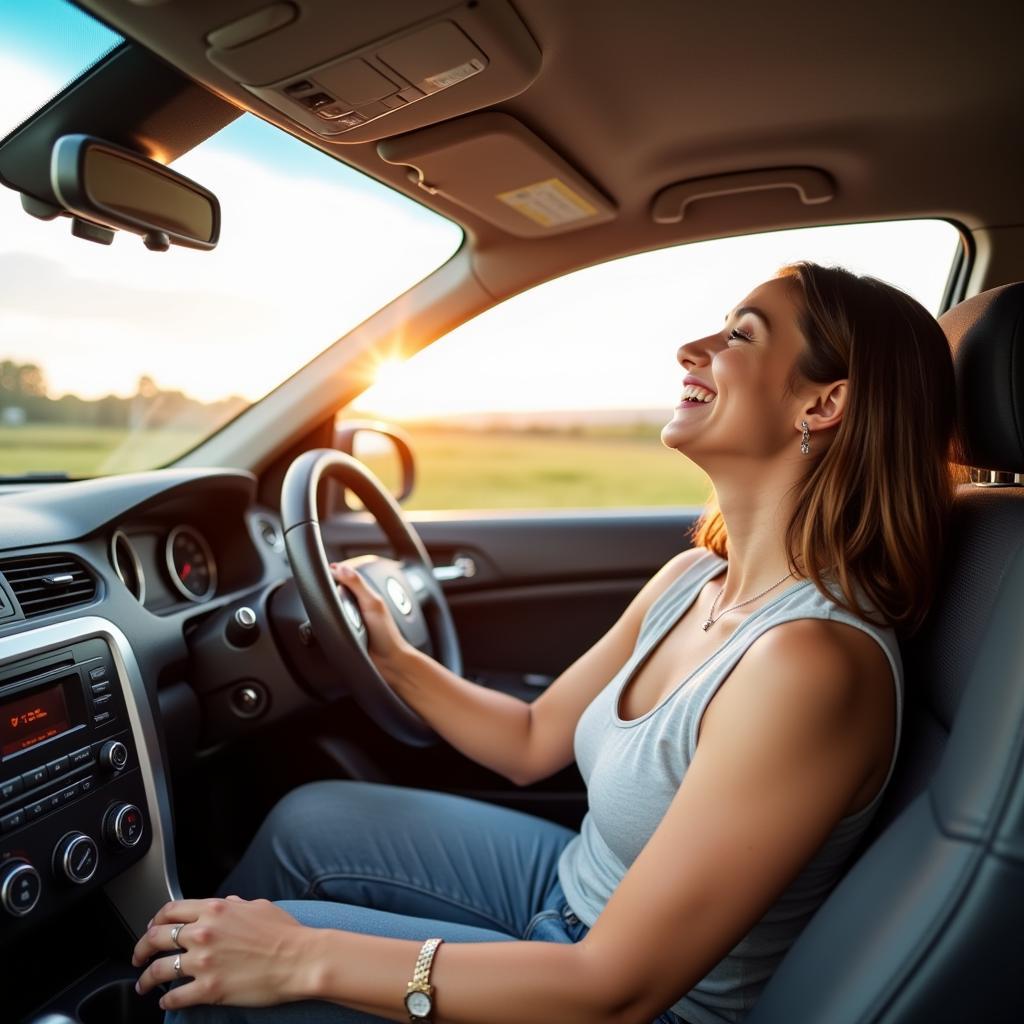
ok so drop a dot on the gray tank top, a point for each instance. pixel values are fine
(633, 768)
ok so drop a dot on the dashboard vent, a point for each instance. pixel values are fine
(48, 583)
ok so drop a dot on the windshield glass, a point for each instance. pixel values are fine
(114, 358)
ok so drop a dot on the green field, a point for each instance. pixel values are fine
(454, 469)
(87, 451)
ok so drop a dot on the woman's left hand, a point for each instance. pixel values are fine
(237, 952)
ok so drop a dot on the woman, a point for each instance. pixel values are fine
(736, 756)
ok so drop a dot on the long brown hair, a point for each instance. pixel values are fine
(873, 508)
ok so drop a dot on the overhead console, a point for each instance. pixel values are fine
(356, 74)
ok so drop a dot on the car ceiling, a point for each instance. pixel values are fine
(911, 108)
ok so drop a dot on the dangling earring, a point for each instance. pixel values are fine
(805, 439)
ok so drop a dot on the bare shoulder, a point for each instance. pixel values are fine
(817, 672)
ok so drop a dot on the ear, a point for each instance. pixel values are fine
(826, 409)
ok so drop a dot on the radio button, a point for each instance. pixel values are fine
(76, 857)
(123, 825)
(100, 672)
(61, 766)
(52, 802)
(114, 755)
(9, 822)
(80, 757)
(86, 785)
(69, 794)
(35, 777)
(102, 718)
(98, 688)
(36, 810)
(20, 886)
(11, 787)
(100, 701)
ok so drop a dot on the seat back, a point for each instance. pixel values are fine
(926, 925)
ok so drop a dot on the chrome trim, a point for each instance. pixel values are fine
(463, 568)
(173, 573)
(5, 890)
(139, 891)
(136, 562)
(66, 859)
(116, 828)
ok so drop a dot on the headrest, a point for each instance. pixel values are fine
(986, 334)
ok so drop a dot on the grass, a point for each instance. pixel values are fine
(454, 468)
(464, 469)
(87, 451)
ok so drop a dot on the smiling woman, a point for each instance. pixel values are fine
(114, 359)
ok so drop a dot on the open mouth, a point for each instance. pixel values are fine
(694, 396)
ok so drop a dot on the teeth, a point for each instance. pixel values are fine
(694, 391)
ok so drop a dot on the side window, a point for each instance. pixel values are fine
(556, 397)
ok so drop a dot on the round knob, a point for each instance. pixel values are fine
(20, 886)
(241, 628)
(76, 857)
(114, 755)
(123, 826)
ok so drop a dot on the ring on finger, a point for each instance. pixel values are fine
(177, 966)
(175, 932)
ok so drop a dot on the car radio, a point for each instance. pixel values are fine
(72, 801)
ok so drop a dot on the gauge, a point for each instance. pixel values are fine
(190, 563)
(127, 565)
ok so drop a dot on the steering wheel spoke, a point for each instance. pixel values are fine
(406, 582)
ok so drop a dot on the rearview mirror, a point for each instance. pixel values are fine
(118, 189)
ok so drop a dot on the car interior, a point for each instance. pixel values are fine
(175, 627)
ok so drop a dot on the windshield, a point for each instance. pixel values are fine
(113, 358)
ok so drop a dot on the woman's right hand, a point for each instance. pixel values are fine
(390, 652)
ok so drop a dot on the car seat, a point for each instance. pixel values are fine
(927, 926)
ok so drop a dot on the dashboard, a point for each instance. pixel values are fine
(135, 618)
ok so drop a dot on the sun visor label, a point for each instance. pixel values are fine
(548, 203)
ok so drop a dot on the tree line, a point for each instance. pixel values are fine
(24, 398)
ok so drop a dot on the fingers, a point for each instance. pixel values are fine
(161, 971)
(181, 911)
(159, 938)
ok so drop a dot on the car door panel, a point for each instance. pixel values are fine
(546, 587)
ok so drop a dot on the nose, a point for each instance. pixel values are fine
(696, 353)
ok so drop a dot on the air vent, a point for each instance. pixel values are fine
(48, 583)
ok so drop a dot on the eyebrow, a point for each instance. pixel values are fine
(753, 310)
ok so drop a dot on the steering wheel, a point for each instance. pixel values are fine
(406, 582)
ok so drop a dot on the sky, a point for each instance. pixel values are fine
(309, 248)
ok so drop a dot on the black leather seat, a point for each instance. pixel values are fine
(928, 924)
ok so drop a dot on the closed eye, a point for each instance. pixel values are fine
(738, 334)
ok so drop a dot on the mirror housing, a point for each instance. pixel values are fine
(345, 438)
(118, 189)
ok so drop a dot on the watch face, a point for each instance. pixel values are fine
(418, 1003)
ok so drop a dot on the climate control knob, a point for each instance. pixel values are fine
(113, 755)
(20, 886)
(76, 858)
(122, 826)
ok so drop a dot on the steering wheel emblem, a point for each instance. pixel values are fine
(399, 598)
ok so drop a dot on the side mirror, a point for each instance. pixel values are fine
(117, 189)
(385, 449)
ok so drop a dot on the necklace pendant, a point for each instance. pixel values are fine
(707, 625)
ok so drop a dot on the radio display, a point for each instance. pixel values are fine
(30, 718)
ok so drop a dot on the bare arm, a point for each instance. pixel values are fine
(522, 741)
(776, 765)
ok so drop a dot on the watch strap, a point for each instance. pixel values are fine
(421, 973)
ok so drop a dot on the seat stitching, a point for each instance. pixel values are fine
(316, 882)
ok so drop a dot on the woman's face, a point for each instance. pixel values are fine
(745, 366)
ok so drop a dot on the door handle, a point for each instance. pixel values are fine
(462, 568)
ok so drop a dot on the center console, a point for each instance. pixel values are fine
(84, 809)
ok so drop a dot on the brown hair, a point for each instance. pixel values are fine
(873, 507)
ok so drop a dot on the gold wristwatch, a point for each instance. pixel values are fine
(419, 994)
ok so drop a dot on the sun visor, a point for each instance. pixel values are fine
(351, 73)
(494, 166)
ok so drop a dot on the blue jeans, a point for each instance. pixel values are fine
(402, 863)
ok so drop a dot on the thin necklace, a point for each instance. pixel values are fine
(711, 620)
